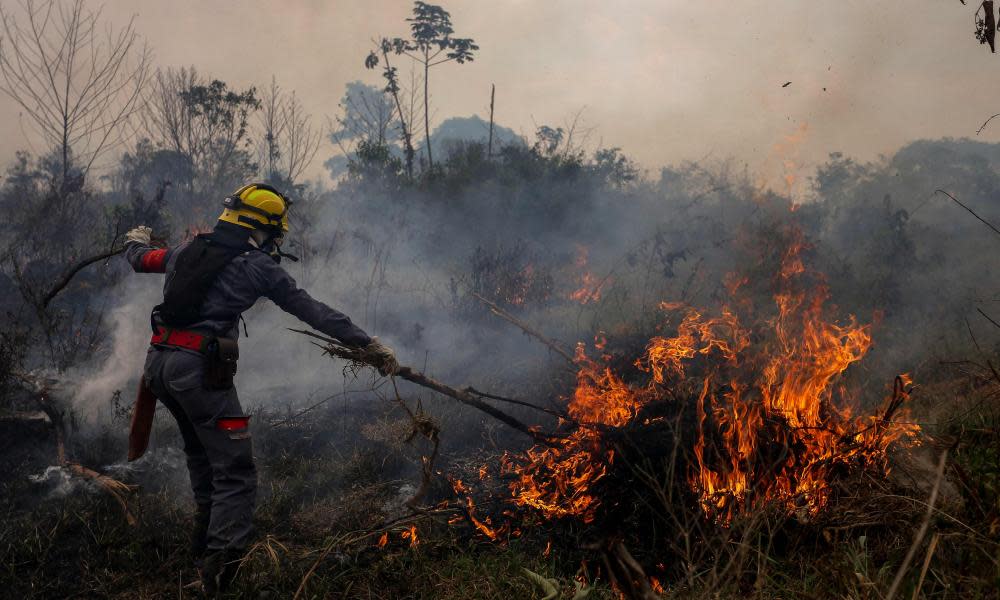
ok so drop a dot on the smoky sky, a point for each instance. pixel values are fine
(665, 80)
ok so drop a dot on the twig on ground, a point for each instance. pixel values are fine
(922, 531)
(927, 563)
(423, 425)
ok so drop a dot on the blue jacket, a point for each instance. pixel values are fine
(246, 278)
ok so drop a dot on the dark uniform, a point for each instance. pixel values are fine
(212, 422)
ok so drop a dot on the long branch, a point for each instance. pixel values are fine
(335, 348)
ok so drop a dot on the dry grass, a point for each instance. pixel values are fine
(326, 501)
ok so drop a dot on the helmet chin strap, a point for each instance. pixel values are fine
(268, 242)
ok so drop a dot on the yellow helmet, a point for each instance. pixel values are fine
(257, 206)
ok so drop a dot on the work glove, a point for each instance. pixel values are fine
(382, 357)
(140, 234)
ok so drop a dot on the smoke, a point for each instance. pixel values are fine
(129, 333)
(402, 262)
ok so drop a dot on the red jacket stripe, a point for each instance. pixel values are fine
(154, 261)
(233, 423)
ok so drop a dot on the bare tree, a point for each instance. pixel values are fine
(166, 119)
(78, 83)
(272, 125)
(288, 143)
(300, 141)
(391, 76)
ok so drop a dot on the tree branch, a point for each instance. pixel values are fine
(71, 273)
(335, 348)
(527, 329)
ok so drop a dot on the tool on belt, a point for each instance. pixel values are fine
(221, 356)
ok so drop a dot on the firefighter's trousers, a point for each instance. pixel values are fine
(217, 444)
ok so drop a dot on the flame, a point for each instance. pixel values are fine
(783, 161)
(382, 541)
(518, 292)
(773, 421)
(484, 525)
(411, 534)
(589, 286)
(656, 585)
(589, 290)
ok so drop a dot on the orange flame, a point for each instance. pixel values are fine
(656, 585)
(589, 286)
(411, 534)
(484, 525)
(772, 421)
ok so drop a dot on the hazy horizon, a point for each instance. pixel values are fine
(667, 82)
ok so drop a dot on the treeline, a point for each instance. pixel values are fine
(528, 223)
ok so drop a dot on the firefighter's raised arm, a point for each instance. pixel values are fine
(141, 254)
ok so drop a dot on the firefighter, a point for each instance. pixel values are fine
(210, 281)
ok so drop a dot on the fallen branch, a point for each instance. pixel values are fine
(117, 489)
(335, 348)
(40, 391)
(527, 329)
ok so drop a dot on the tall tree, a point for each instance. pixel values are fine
(391, 76)
(431, 43)
(77, 82)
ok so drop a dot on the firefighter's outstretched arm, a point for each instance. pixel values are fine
(281, 289)
(141, 254)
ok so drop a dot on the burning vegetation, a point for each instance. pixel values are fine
(772, 424)
(744, 411)
(694, 412)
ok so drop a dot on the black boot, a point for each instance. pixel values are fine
(199, 535)
(218, 571)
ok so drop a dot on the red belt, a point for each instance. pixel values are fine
(181, 339)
